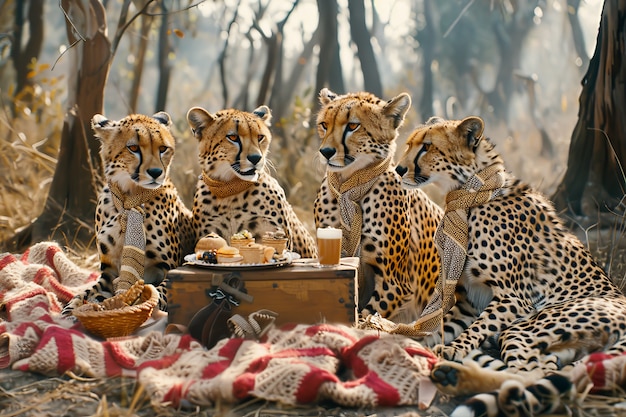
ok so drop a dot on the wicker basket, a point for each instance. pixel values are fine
(120, 315)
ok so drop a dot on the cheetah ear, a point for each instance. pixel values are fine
(264, 113)
(326, 96)
(198, 119)
(472, 129)
(396, 109)
(163, 118)
(99, 121)
(100, 124)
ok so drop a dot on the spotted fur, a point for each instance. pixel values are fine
(399, 262)
(233, 145)
(537, 289)
(136, 152)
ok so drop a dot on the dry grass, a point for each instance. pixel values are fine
(31, 395)
(23, 394)
(27, 165)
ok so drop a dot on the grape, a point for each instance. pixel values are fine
(209, 257)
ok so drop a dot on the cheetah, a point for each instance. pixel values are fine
(137, 152)
(235, 191)
(391, 229)
(539, 293)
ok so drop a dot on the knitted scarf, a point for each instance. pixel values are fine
(222, 189)
(132, 226)
(451, 239)
(349, 193)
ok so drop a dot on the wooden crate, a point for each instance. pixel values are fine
(298, 293)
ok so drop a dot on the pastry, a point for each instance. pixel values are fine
(228, 255)
(277, 240)
(242, 238)
(210, 242)
(252, 253)
(268, 254)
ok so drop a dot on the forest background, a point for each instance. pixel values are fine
(517, 64)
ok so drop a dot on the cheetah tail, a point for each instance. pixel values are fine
(513, 399)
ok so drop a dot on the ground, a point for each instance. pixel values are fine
(27, 394)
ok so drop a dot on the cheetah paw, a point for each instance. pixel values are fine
(455, 378)
(448, 353)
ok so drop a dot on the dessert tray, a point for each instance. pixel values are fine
(285, 260)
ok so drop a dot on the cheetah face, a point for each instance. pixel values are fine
(358, 129)
(232, 143)
(137, 150)
(442, 152)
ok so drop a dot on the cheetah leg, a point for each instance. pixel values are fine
(528, 384)
(501, 392)
(489, 323)
(456, 321)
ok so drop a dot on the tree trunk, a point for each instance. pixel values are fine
(595, 179)
(22, 57)
(68, 215)
(327, 27)
(285, 97)
(164, 62)
(272, 56)
(335, 77)
(221, 60)
(146, 24)
(278, 84)
(361, 37)
(427, 38)
(577, 32)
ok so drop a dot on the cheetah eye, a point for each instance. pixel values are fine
(261, 138)
(425, 147)
(162, 148)
(323, 125)
(133, 148)
(353, 126)
(233, 138)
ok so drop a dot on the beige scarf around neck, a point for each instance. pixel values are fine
(451, 239)
(223, 189)
(348, 194)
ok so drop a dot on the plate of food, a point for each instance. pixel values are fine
(213, 252)
(192, 259)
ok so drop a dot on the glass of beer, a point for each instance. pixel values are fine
(329, 246)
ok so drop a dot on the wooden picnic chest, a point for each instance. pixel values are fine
(298, 293)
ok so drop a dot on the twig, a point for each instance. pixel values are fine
(467, 6)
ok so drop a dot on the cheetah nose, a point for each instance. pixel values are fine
(401, 170)
(254, 158)
(155, 172)
(328, 152)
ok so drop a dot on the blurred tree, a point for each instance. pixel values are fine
(329, 72)
(496, 32)
(577, 33)
(273, 73)
(138, 65)
(285, 93)
(595, 178)
(222, 57)
(427, 37)
(68, 213)
(70, 206)
(165, 68)
(28, 16)
(362, 39)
